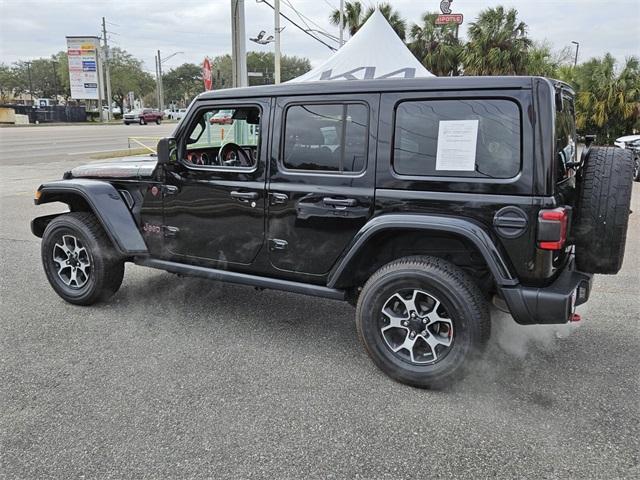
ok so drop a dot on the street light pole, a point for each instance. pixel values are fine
(276, 26)
(238, 44)
(577, 44)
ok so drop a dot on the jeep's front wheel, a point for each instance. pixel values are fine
(421, 319)
(79, 260)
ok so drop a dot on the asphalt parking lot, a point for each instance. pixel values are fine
(182, 378)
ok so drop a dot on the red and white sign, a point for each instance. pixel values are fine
(206, 74)
(450, 18)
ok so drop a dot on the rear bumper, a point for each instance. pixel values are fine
(552, 304)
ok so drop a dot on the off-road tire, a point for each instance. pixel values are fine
(603, 207)
(456, 291)
(107, 268)
(157, 121)
(142, 122)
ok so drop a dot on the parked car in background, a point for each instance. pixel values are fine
(223, 117)
(632, 143)
(178, 114)
(114, 110)
(144, 116)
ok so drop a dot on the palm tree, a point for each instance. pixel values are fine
(355, 16)
(497, 45)
(608, 101)
(436, 46)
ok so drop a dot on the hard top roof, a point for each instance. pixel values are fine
(373, 86)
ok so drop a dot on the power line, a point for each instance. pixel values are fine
(320, 29)
(299, 27)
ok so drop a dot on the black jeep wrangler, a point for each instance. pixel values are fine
(418, 201)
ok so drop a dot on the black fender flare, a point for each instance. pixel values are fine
(467, 229)
(106, 204)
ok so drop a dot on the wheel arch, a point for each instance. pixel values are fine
(100, 198)
(370, 247)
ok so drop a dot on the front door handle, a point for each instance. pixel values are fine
(340, 202)
(245, 195)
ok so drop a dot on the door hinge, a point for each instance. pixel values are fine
(170, 231)
(277, 244)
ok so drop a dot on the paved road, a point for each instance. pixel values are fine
(180, 378)
(69, 143)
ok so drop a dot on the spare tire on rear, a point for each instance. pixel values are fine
(602, 211)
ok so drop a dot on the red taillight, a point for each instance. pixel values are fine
(552, 228)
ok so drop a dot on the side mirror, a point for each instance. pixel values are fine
(167, 150)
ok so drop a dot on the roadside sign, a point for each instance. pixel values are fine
(206, 74)
(456, 18)
(83, 67)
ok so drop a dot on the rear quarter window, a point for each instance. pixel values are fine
(496, 130)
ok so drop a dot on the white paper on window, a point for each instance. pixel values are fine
(457, 141)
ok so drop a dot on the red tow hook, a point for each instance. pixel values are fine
(575, 318)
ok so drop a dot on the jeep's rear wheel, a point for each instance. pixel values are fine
(79, 260)
(142, 122)
(421, 319)
(603, 209)
(157, 121)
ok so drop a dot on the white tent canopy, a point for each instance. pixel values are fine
(375, 51)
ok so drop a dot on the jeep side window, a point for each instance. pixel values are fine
(565, 136)
(497, 144)
(326, 137)
(227, 138)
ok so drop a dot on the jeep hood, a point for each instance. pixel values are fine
(138, 167)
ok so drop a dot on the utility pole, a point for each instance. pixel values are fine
(100, 77)
(30, 82)
(107, 73)
(157, 82)
(238, 44)
(276, 26)
(54, 64)
(577, 44)
(341, 22)
(160, 92)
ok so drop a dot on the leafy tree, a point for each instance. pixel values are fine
(608, 98)
(263, 62)
(182, 84)
(61, 67)
(498, 44)
(355, 16)
(45, 79)
(543, 61)
(436, 46)
(8, 82)
(127, 76)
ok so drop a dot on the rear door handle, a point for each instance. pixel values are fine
(278, 198)
(340, 202)
(244, 195)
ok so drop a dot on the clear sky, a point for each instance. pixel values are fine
(37, 28)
